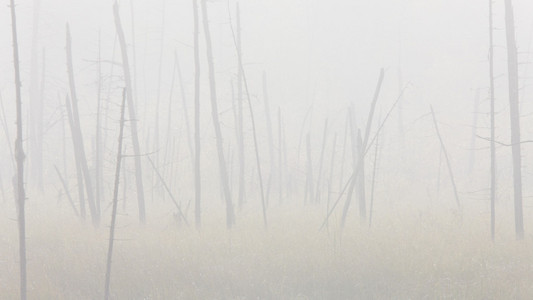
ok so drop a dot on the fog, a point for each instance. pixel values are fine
(321, 173)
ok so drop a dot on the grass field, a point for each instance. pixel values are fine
(422, 255)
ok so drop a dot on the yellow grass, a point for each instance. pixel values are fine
(420, 255)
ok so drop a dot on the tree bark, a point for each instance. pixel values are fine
(197, 148)
(131, 110)
(514, 109)
(216, 123)
(115, 198)
(19, 156)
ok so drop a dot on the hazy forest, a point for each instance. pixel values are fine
(223, 149)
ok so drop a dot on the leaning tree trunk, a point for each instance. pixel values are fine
(133, 120)
(77, 136)
(19, 155)
(216, 122)
(115, 198)
(512, 65)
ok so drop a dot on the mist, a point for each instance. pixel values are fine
(222, 149)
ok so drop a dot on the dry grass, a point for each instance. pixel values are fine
(403, 256)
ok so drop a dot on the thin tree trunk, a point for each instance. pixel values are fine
(36, 104)
(197, 149)
(131, 109)
(492, 131)
(65, 187)
(452, 178)
(78, 136)
(361, 192)
(319, 175)
(240, 129)
(280, 158)
(254, 131)
(514, 109)
(331, 171)
(99, 149)
(471, 162)
(270, 137)
(19, 155)
(79, 172)
(216, 123)
(309, 188)
(374, 168)
(115, 198)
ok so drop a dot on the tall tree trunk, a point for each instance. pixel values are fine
(240, 129)
(492, 131)
(131, 110)
(446, 158)
(270, 137)
(319, 175)
(197, 149)
(79, 172)
(36, 105)
(19, 155)
(514, 109)
(216, 123)
(77, 135)
(115, 198)
(99, 149)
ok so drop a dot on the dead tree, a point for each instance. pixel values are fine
(197, 149)
(319, 175)
(216, 123)
(36, 104)
(79, 172)
(77, 135)
(19, 156)
(252, 118)
(115, 197)
(359, 169)
(270, 137)
(452, 178)
(240, 127)
(514, 110)
(99, 149)
(131, 110)
(492, 131)
(65, 187)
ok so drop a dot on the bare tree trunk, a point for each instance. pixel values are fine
(319, 175)
(270, 137)
(115, 198)
(280, 157)
(131, 109)
(216, 123)
(77, 135)
(99, 150)
(472, 160)
(514, 109)
(492, 131)
(374, 168)
(361, 192)
(65, 187)
(309, 188)
(240, 129)
(36, 104)
(446, 158)
(19, 155)
(197, 149)
(79, 172)
(254, 131)
(331, 171)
